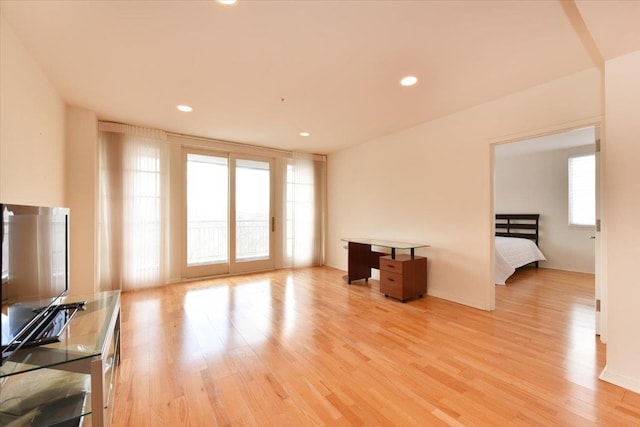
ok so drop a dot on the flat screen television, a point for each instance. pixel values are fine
(35, 274)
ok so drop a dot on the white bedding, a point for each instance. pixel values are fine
(511, 253)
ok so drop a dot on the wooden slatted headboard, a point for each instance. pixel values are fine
(518, 225)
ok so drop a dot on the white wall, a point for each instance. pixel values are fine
(37, 165)
(32, 128)
(621, 155)
(82, 189)
(433, 183)
(538, 183)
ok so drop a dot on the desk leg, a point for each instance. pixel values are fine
(358, 265)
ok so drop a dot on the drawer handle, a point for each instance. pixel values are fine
(391, 280)
(391, 266)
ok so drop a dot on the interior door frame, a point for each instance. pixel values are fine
(600, 291)
(600, 288)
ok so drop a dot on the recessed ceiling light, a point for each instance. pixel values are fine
(227, 1)
(305, 134)
(184, 108)
(409, 81)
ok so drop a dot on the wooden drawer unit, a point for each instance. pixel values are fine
(404, 277)
(391, 284)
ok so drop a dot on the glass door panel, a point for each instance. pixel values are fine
(253, 214)
(207, 213)
(253, 210)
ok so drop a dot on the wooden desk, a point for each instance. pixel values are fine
(361, 259)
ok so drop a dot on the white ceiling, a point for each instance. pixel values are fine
(260, 72)
(614, 25)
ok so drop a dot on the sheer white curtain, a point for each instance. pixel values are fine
(308, 206)
(133, 207)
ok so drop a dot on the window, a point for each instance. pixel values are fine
(289, 214)
(582, 190)
(304, 211)
(142, 211)
(133, 207)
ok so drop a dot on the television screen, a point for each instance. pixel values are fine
(34, 267)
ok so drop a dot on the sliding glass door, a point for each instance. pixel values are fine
(228, 211)
(207, 214)
(252, 213)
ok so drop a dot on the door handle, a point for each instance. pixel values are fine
(592, 237)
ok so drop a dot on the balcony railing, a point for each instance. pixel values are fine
(207, 241)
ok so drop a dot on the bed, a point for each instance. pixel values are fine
(516, 244)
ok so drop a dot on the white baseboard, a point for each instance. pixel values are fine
(620, 380)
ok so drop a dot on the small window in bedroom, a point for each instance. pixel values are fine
(582, 190)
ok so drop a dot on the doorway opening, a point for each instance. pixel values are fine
(532, 176)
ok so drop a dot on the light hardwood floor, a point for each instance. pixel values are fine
(296, 348)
